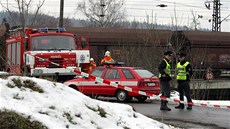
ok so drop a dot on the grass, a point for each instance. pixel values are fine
(93, 109)
(16, 96)
(12, 120)
(45, 113)
(5, 76)
(52, 107)
(78, 115)
(69, 118)
(101, 111)
(25, 84)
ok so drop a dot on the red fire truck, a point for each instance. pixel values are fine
(43, 52)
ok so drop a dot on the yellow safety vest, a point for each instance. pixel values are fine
(167, 69)
(181, 71)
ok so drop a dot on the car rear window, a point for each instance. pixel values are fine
(127, 74)
(143, 73)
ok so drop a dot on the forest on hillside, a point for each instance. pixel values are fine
(44, 20)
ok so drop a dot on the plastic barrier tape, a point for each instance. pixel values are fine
(100, 80)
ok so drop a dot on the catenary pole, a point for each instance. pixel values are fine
(61, 13)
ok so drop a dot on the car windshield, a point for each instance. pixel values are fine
(144, 73)
(53, 42)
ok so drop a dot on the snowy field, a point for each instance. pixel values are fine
(53, 102)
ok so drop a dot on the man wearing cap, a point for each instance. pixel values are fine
(184, 72)
(164, 69)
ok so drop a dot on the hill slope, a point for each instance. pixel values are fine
(58, 106)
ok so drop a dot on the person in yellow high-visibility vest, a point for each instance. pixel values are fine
(184, 73)
(164, 69)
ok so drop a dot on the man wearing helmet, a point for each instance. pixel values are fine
(87, 67)
(92, 64)
(107, 58)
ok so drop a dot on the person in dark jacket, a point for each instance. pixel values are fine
(164, 69)
(184, 73)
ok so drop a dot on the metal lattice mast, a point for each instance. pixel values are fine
(216, 19)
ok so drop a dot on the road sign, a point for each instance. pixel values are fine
(209, 75)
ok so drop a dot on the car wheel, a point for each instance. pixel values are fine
(141, 98)
(130, 98)
(122, 96)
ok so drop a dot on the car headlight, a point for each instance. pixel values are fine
(38, 71)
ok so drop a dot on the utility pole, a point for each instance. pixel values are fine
(61, 13)
(216, 19)
(102, 15)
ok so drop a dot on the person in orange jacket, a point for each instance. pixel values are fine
(107, 58)
(92, 64)
(87, 67)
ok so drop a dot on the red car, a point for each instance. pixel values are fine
(133, 77)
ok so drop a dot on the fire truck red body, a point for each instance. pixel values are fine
(43, 52)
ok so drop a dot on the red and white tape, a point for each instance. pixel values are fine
(101, 80)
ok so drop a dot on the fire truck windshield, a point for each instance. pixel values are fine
(52, 42)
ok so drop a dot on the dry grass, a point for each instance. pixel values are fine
(12, 120)
(25, 84)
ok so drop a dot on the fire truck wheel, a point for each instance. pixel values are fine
(26, 72)
(8, 70)
(74, 87)
(141, 98)
(122, 96)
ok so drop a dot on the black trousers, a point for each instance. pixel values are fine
(184, 88)
(165, 88)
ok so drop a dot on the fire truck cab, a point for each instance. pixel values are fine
(44, 52)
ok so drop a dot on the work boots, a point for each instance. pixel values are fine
(180, 106)
(164, 105)
(189, 107)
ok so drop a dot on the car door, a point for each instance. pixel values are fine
(91, 86)
(129, 78)
(113, 75)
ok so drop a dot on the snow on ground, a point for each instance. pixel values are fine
(60, 107)
(175, 95)
(3, 73)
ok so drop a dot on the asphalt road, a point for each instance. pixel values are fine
(198, 117)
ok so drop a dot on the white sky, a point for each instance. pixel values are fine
(139, 9)
(67, 100)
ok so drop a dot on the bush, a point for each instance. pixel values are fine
(26, 84)
(12, 120)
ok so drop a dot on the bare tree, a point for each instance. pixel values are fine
(103, 13)
(195, 22)
(24, 7)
